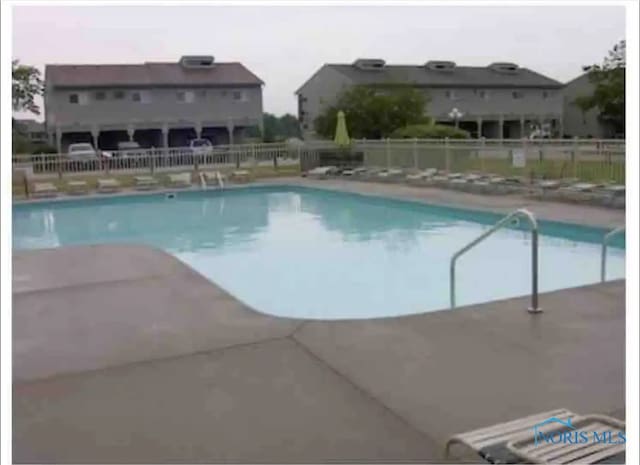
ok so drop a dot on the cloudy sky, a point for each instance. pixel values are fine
(286, 45)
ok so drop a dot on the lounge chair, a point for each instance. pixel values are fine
(241, 176)
(77, 187)
(143, 183)
(179, 180)
(390, 175)
(516, 441)
(354, 171)
(44, 189)
(108, 185)
(321, 172)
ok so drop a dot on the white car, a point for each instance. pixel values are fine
(82, 151)
(201, 147)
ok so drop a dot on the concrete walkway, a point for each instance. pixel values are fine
(124, 354)
(549, 210)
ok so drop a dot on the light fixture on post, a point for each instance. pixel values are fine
(455, 115)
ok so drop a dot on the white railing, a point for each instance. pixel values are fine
(587, 159)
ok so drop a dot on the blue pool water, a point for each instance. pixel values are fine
(309, 253)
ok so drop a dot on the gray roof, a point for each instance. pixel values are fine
(149, 74)
(460, 76)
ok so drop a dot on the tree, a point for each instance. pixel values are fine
(374, 112)
(276, 128)
(26, 85)
(609, 94)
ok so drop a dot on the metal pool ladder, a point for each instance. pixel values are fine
(603, 257)
(521, 213)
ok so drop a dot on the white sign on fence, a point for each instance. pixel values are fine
(519, 160)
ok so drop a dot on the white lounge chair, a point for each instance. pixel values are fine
(321, 172)
(108, 185)
(354, 171)
(44, 189)
(517, 441)
(241, 175)
(390, 174)
(77, 187)
(145, 183)
(179, 180)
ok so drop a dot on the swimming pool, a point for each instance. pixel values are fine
(312, 253)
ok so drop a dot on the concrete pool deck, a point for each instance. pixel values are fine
(123, 354)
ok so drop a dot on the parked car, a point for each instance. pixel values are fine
(201, 147)
(130, 149)
(82, 151)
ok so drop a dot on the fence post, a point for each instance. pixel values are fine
(388, 153)
(415, 153)
(447, 155)
(574, 156)
(275, 159)
(364, 152)
(483, 141)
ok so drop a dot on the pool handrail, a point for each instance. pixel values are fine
(603, 256)
(523, 213)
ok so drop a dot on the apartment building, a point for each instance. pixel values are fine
(154, 104)
(501, 100)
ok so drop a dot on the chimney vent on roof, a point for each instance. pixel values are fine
(197, 61)
(369, 64)
(505, 68)
(440, 65)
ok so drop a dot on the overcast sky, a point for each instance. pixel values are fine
(284, 46)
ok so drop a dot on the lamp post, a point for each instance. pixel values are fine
(455, 115)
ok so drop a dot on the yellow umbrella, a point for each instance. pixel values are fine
(342, 136)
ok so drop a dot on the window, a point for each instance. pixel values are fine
(99, 96)
(450, 94)
(517, 94)
(118, 95)
(136, 97)
(74, 98)
(184, 96)
(545, 94)
(240, 96)
(483, 94)
(223, 93)
(201, 94)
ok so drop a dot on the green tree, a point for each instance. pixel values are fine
(277, 128)
(26, 85)
(374, 112)
(609, 93)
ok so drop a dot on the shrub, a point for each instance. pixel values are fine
(429, 131)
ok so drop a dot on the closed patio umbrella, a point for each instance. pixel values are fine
(342, 136)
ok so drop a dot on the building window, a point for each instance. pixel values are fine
(240, 96)
(118, 95)
(74, 98)
(483, 94)
(223, 93)
(99, 96)
(136, 97)
(184, 96)
(517, 94)
(545, 94)
(201, 94)
(450, 94)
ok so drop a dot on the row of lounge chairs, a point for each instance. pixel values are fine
(569, 190)
(142, 183)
